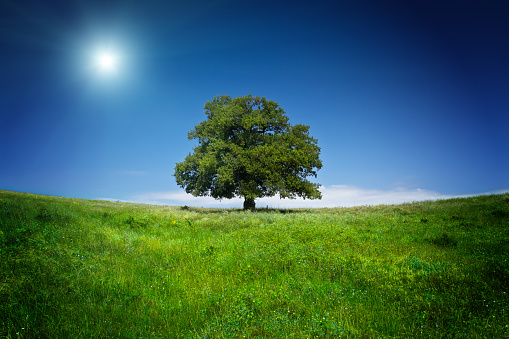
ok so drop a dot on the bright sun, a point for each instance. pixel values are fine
(106, 62)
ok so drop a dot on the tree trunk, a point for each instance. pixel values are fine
(249, 204)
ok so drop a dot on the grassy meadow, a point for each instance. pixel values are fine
(73, 268)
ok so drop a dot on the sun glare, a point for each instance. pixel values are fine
(107, 62)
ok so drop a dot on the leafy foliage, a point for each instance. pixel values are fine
(247, 148)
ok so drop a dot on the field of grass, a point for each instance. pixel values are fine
(73, 268)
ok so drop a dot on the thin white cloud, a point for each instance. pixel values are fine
(332, 196)
(112, 199)
(180, 198)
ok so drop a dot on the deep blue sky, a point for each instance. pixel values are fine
(408, 99)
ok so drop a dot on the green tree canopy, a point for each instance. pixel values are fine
(247, 148)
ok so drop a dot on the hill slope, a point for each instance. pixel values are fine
(82, 269)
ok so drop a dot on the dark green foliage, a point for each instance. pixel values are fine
(136, 222)
(500, 213)
(247, 148)
(444, 240)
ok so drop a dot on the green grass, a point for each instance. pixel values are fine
(94, 269)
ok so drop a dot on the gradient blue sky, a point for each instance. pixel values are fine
(409, 100)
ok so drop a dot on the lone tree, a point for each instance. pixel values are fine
(247, 148)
